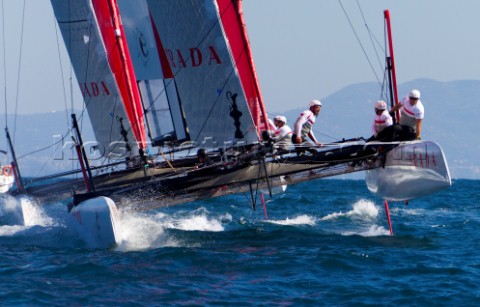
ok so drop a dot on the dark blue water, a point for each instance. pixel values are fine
(325, 243)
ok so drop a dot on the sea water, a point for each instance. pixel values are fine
(322, 243)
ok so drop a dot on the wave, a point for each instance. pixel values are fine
(145, 231)
(371, 231)
(362, 209)
(299, 220)
(23, 211)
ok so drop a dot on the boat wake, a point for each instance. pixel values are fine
(362, 219)
(299, 220)
(150, 230)
(142, 231)
(362, 209)
(371, 231)
(22, 211)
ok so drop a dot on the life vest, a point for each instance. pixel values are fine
(7, 170)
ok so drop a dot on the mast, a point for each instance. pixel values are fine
(82, 156)
(16, 170)
(392, 78)
(391, 65)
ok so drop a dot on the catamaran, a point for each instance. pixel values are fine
(178, 76)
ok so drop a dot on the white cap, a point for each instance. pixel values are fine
(281, 119)
(315, 102)
(414, 94)
(381, 105)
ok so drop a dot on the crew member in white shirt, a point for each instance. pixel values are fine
(382, 118)
(305, 122)
(283, 133)
(411, 112)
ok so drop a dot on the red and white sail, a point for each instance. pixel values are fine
(163, 111)
(209, 57)
(231, 15)
(96, 43)
(188, 62)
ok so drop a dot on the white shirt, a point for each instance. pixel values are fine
(409, 114)
(380, 122)
(304, 124)
(283, 136)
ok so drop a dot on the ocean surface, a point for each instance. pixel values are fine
(325, 243)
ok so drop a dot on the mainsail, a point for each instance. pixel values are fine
(231, 15)
(95, 41)
(182, 68)
(200, 56)
(163, 111)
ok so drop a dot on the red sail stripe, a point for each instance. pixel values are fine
(119, 59)
(167, 70)
(231, 15)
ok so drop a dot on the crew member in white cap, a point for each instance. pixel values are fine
(283, 133)
(382, 118)
(411, 112)
(305, 122)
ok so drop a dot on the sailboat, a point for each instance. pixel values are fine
(178, 77)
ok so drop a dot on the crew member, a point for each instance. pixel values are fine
(283, 133)
(411, 112)
(305, 122)
(381, 120)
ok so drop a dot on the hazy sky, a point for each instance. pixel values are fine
(306, 48)
(303, 49)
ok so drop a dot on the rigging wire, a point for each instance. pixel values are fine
(19, 72)
(65, 135)
(372, 37)
(42, 149)
(4, 62)
(61, 72)
(359, 41)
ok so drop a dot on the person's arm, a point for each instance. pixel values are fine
(314, 140)
(396, 107)
(277, 136)
(419, 128)
(298, 127)
(312, 137)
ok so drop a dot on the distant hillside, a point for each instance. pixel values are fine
(451, 119)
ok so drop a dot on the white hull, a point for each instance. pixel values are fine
(99, 222)
(412, 170)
